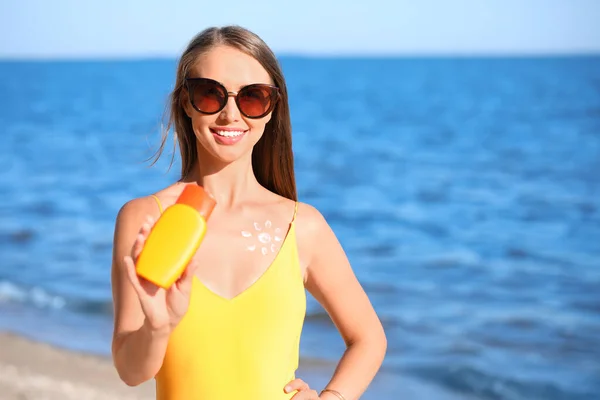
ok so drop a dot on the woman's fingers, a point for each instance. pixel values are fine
(304, 391)
(296, 384)
(140, 285)
(133, 276)
(306, 395)
(150, 224)
(184, 283)
(140, 239)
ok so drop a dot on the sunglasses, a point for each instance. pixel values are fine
(208, 96)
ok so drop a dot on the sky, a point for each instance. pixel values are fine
(162, 28)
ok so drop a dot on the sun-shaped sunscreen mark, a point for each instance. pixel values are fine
(265, 238)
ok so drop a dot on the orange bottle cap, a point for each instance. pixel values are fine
(195, 196)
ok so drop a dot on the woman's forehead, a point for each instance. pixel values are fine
(231, 67)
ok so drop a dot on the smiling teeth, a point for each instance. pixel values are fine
(229, 133)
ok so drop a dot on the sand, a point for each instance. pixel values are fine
(31, 370)
(36, 371)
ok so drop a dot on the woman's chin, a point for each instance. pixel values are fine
(229, 154)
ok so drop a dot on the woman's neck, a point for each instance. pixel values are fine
(229, 183)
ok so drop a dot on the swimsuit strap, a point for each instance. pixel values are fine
(295, 211)
(158, 202)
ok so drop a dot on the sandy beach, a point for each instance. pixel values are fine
(36, 371)
(31, 370)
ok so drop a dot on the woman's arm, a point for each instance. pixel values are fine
(138, 348)
(330, 279)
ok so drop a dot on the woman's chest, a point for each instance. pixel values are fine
(233, 258)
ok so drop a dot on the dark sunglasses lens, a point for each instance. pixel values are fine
(255, 101)
(208, 97)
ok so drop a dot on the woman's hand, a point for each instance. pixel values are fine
(304, 391)
(163, 308)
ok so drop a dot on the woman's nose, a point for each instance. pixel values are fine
(230, 112)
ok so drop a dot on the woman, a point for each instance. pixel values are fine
(230, 326)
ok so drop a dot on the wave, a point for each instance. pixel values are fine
(472, 381)
(12, 293)
(42, 299)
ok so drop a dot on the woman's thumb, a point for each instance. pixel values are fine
(184, 283)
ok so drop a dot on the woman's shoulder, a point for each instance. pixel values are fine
(314, 236)
(308, 213)
(310, 221)
(151, 204)
(307, 218)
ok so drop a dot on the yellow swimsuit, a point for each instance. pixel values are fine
(241, 348)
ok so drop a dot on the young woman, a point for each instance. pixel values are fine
(229, 328)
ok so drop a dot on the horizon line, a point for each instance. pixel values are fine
(313, 55)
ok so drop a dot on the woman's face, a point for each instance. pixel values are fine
(226, 135)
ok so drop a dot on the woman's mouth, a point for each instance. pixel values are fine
(228, 136)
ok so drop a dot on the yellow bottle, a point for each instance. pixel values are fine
(175, 237)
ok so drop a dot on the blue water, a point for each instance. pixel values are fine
(466, 193)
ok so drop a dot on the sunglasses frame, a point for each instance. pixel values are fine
(275, 96)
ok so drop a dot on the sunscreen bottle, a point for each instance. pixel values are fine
(175, 237)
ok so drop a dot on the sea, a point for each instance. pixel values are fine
(465, 192)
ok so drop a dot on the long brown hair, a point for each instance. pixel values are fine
(272, 156)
